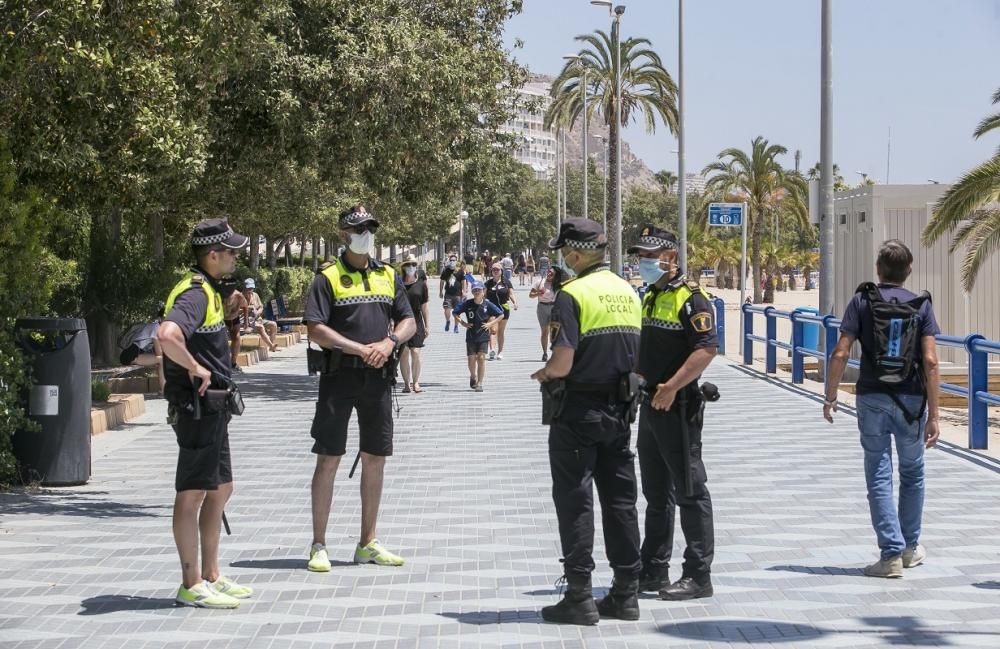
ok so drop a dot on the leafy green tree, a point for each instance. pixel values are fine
(967, 210)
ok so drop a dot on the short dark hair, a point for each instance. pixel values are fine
(894, 261)
(200, 252)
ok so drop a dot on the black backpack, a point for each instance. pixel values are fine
(896, 332)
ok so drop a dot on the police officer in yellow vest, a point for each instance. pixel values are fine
(357, 309)
(195, 346)
(679, 340)
(595, 328)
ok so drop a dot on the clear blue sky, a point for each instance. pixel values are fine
(927, 68)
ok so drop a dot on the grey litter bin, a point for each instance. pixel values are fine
(58, 453)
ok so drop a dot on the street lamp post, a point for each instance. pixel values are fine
(604, 210)
(616, 13)
(461, 235)
(681, 184)
(575, 58)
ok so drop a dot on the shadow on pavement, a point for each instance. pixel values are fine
(483, 618)
(51, 502)
(114, 603)
(279, 387)
(820, 570)
(282, 564)
(989, 585)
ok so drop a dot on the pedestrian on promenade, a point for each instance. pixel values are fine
(481, 317)
(531, 266)
(679, 341)
(235, 309)
(544, 290)
(452, 289)
(520, 267)
(588, 383)
(266, 329)
(897, 398)
(196, 357)
(500, 291)
(543, 264)
(409, 352)
(357, 310)
(507, 264)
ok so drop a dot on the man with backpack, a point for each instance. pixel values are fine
(897, 397)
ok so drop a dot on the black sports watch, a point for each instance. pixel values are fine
(395, 340)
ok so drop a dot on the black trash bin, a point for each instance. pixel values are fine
(58, 453)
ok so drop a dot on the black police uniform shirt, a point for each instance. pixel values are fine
(664, 351)
(453, 278)
(600, 360)
(365, 322)
(477, 315)
(498, 291)
(211, 349)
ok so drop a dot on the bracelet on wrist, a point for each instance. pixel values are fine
(829, 402)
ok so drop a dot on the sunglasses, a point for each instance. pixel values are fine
(364, 227)
(232, 251)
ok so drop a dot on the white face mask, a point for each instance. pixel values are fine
(361, 244)
(410, 270)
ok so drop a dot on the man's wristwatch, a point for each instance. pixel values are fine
(395, 340)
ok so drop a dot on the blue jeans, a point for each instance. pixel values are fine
(879, 420)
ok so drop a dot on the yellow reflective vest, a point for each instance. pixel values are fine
(348, 285)
(607, 304)
(214, 314)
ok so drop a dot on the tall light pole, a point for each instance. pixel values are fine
(461, 237)
(604, 210)
(575, 58)
(682, 219)
(616, 247)
(565, 187)
(826, 273)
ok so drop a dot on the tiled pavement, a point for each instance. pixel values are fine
(467, 502)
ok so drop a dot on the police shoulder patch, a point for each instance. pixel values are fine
(326, 265)
(554, 327)
(701, 322)
(346, 281)
(197, 279)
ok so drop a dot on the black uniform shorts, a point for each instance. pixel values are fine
(203, 461)
(349, 389)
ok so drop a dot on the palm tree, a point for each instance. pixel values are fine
(646, 87)
(765, 185)
(667, 180)
(839, 184)
(973, 197)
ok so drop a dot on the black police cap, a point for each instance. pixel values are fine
(216, 232)
(579, 233)
(356, 216)
(653, 238)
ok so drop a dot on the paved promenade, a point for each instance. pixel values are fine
(467, 502)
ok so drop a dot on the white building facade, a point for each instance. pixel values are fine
(536, 146)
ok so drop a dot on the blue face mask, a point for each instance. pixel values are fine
(650, 271)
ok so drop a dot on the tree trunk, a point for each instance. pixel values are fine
(272, 249)
(758, 271)
(326, 249)
(102, 330)
(302, 251)
(315, 252)
(254, 252)
(614, 225)
(156, 231)
(288, 251)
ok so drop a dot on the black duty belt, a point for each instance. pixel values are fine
(356, 363)
(593, 388)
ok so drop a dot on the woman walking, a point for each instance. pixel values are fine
(545, 291)
(521, 267)
(500, 291)
(415, 283)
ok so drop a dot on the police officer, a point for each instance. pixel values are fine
(357, 308)
(679, 340)
(195, 345)
(595, 328)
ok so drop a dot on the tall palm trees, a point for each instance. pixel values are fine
(667, 180)
(971, 198)
(765, 185)
(646, 87)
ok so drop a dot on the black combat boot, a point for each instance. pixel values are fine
(622, 600)
(688, 588)
(654, 579)
(577, 605)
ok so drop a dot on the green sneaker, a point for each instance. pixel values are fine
(319, 560)
(227, 586)
(375, 553)
(202, 595)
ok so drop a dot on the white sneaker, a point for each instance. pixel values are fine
(913, 557)
(499, 357)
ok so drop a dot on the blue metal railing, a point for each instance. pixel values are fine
(977, 395)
